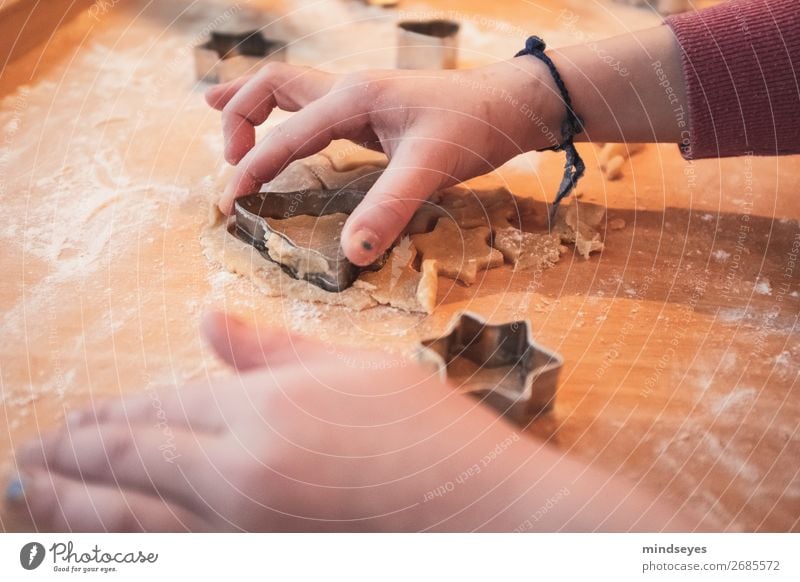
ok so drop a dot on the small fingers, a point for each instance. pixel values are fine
(218, 96)
(53, 502)
(305, 133)
(247, 104)
(415, 171)
(192, 407)
(173, 464)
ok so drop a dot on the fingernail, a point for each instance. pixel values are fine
(363, 244)
(15, 492)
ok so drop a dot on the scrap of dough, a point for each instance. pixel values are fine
(399, 285)
(577, 223)
(458, 261)
(528, 250)
(610, 151)
(613, 169)
(612, 157)
(616, 224)
(315, 238)
(584, 213)
(509, 242)
(428, 285)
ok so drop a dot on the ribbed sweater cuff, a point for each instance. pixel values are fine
(739, 61)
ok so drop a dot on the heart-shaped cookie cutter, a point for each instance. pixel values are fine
(330, 270)
(505, 367)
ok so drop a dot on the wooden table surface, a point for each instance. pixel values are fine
(681, 339)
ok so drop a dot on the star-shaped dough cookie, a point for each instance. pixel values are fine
(459, 253)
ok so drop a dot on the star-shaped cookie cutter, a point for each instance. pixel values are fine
(500, 364)
(228, 55)
(328, 269)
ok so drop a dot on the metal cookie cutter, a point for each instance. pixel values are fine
(500, 364)
(327, 268)
(427, 44)
(228, 55)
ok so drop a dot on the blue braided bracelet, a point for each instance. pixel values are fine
(573, 125)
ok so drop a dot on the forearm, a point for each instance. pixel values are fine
(721, 82)
(629, 88)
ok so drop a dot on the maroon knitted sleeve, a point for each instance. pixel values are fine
(741, 62)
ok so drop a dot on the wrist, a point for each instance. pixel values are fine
(618, 86)
(542, 108)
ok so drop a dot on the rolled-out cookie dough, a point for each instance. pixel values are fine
(311, 236)
(612, 158)
(231, 254)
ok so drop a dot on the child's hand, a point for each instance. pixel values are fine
(310, 437)
(437, 127)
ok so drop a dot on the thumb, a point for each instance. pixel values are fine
(245, 347)
(411, 177)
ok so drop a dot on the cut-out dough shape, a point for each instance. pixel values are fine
(577, 224)
(459, 253)
(617, 224)
(398, 284)
(322, 234)
(425, 218)
(614, 168)
(612, 158)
